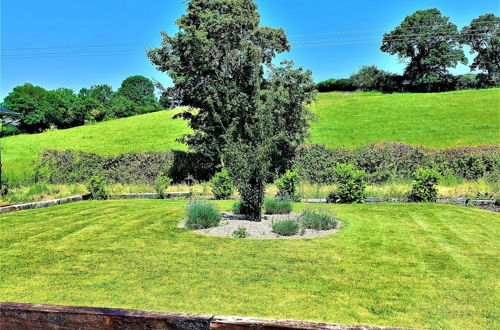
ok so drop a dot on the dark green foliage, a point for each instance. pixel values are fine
(430, 43)
(9, 130)
(393, 161)
(222, 186)
(239, 207)
(161, 185)
(341, 85)
(424, 186)
(351, 185)
(277, 206)
(202, 214)
(251, 120)
(138, 89)
(482, 35)
(318, 220)
(286, 227)
(287, 186)
(371, 78)
(130, 168)
(240, 233)
(97, 188)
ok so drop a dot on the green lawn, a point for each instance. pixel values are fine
(410, 265)
(436, 120)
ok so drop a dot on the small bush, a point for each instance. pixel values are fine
(97, 188)
(222, 186)
(424, 186)
(240, 233)
(319, 220)
(287, 186)
(351, 188)
(161, 185)
(277, 206)
(286, 227)
(240, 208)
(202, 214)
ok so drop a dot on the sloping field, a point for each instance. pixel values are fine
(436, 120)
(410, 265)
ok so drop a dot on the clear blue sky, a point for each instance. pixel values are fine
(61, 43)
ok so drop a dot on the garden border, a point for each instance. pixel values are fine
(72, 199)
(22, 316)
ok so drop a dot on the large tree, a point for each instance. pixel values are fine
(139, 90)
(429, 43)
(241, 108)
(35, 105)
(483, 37)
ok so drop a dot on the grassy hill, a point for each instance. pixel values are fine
(436, 120)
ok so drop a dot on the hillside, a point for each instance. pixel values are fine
(436, 120)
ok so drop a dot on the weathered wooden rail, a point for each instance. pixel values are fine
(19, 316)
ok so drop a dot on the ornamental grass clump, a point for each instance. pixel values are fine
(277, 206)
(318, 220)
(202, 214)
(286, 227)
(240, 233)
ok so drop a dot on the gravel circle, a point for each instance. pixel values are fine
(258, 230)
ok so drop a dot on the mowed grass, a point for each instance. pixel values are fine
(435, 120)
(409, 265)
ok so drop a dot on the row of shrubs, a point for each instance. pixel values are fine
(387, 161)
(371, 78)
(204, 214)
(68, 166)
(381, 162)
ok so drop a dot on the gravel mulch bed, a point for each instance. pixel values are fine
(259, 230)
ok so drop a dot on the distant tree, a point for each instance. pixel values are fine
(483, 37)
(368, 78)
(120, 107)
(94, 103)
(64, 114)
(139, 89)
(430, 44)
(35, 105)
(237, 113)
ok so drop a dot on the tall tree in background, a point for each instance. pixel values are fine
(429, 42)
(139, 90)
(34, 103)
(217, 62)
(483, 37)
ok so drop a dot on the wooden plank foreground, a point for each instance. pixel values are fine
(20, 316)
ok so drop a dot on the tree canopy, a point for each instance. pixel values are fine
(483, 37)
(243, 110)
(139, 90)
(430, 44)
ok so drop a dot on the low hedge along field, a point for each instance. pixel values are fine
(382, 162)
(404, 265)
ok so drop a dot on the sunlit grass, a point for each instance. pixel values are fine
(435, 120)
(409, 265)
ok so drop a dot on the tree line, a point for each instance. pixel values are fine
(430, 44)
(42, 109)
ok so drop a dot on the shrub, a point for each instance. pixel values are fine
(351, 188)
(240, 208)
(97, 188)
(277, 206)
(202, 214)
(240, 233)
(161, 185)
(222, 186)
(287, 186)
(424, 185)
(319, 220)
(286, 227)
